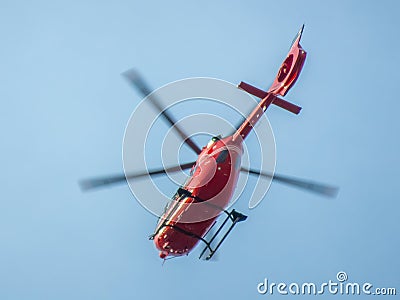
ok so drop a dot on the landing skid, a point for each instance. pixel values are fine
(235, 218)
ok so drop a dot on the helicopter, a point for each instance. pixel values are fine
(204, 197)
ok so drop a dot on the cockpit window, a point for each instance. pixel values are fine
(222, 156)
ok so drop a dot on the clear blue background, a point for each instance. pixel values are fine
(64, 108)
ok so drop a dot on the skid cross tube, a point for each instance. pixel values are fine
(235, 217)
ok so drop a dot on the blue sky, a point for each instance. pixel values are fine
(64, 111)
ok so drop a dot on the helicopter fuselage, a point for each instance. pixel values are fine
(198, 203)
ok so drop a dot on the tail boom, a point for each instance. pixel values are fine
(253, 118)
(285, 79)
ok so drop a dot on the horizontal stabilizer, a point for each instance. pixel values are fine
(293, 108)
(277, 101)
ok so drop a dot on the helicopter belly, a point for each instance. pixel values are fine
(190, 219)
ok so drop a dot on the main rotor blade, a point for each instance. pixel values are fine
(93, 183)
(311, 186)
(137, 81)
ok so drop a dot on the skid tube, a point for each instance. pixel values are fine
(235, 218)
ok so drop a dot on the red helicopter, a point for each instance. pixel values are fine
(206, 194)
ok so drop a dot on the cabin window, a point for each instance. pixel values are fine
(222, 156)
